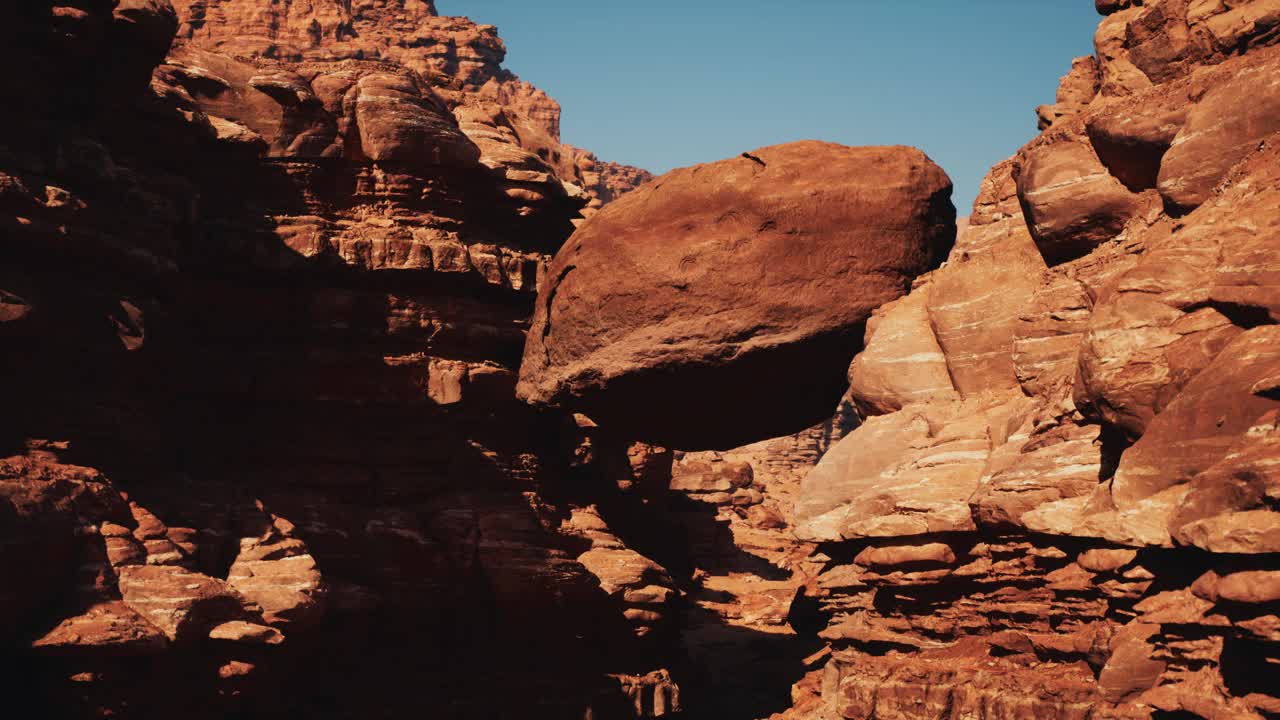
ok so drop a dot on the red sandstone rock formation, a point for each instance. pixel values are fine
(1069, 441)
(1070, 418)
(267, 272)
(262, 305)
(661, 309)
(460, 59)
(741, 630)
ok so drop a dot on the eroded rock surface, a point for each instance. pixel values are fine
(723, 276)
(266, 274)
(1081, 523)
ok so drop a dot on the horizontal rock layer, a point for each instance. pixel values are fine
(1062, 503)
(267, 271)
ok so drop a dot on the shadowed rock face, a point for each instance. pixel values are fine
(460, 59)
(261, 312)
(757, 272)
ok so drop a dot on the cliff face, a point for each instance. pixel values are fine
(1069, 450)
(1055, 494)
(268, 271)
(460, 60)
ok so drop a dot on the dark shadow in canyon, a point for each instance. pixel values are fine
(247, 372)
(684, 405)
(736, 673)
(272, 384)
(389, 497)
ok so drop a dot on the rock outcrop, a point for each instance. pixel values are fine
(743, 633)
(759, 271)
(460, 59)
(1041, 530)
(267, 270)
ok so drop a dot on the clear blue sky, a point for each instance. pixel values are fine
(668, 83)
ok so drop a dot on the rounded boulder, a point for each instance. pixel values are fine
(744, 283)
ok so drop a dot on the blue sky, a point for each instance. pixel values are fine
(668, 83)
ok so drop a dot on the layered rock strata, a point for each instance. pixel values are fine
(1067, 451)
(266, 274)
(744, 633)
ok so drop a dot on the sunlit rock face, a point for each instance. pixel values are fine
(1043, 530)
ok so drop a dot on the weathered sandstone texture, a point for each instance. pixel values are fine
(1057, 496)
(1062, 503)
(759, 271)
(742, 634)
(276, 279)
(459, 59)
(266, 273)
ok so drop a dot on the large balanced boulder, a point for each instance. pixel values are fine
(744, 283)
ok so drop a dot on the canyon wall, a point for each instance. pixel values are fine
(1060, 499)
(267, 269)
(1063, 500)
(304, 419)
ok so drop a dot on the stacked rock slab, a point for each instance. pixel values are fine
(265, 284)
(1040, 512)
(755, 272)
